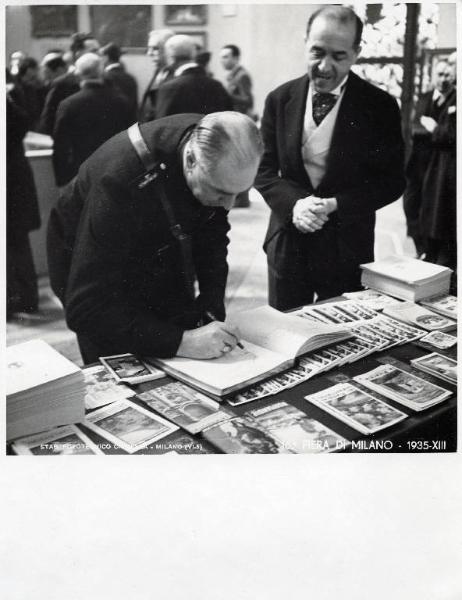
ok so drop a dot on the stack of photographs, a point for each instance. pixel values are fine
(185, 406)
(347, 311)
(371, 299)
(295, 430)
(61, 440)
(403, 387)
(375, 334)
(438, 365)
(446, 305)
(128, 426)
(243, 436)
(412, 313)
(356, 408)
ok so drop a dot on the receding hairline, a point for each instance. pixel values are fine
(340, 14)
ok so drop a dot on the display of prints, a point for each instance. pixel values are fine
(403, 387)
(295, 430)
(356, 408)
(185, 406)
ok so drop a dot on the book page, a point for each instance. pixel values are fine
(277, 331)
(228, 371)
(404, 268)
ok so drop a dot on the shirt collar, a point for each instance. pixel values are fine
(182, 68)
(112, 66)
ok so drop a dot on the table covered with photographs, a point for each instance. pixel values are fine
(391, 388)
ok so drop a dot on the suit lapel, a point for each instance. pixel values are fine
(294, 115)
(343, 146)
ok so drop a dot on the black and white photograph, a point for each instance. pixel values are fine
(234, 198)
(128, 426)
(357, 408)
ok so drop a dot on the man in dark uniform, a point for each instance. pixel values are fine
(334, 155)
(161, 73)
(125, 244)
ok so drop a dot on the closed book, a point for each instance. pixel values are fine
(44, 389)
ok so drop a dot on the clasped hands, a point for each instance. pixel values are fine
(310, 214)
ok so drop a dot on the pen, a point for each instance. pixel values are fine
(212, 318)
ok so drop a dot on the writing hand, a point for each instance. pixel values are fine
(210, 341)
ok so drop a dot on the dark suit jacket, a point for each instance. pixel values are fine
(125, 290)
(419, 160)
(125, 85)
(61, 88)
(364, 173)
(148, 103)
(438, 211)
(239, 86)
(84, 121)
(192, 91)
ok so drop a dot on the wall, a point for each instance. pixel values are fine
(270, 37)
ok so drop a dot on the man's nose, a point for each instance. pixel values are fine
(325, 64)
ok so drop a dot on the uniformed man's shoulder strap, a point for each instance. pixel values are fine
(153, 167)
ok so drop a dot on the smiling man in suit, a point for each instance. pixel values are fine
(334, 154)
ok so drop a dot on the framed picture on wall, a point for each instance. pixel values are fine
(185, 14)
(53, 21)
(125, 25)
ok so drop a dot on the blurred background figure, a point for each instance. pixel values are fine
(31, 87)
(430, 107)
(53, 66)
(238, 80)
(15, 59)
(203, 60)
(86, 119)
(156, 43)
(116, 76)
(239, 86)
(22, 211)
(190, 89)
(437, 217)
(67, 84)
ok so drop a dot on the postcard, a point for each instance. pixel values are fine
(439, 339)
(127, 368)
(437, 365)
(356, 408)
(184, 406)
(403, 387)
(243, 436)
(101, 389)
(295, 430)
(128, 426)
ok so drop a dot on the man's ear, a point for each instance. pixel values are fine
(190, 159)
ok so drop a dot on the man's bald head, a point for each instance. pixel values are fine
(180, 48)
(89, 66)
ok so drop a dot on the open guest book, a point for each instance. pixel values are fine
(272, 341)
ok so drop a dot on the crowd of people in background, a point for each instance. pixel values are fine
(84, 96)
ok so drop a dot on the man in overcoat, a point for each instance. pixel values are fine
(137, 246)
(333, 156)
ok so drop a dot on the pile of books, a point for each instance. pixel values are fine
(406, 278)
(43, 389)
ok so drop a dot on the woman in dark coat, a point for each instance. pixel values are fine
(22, 210)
